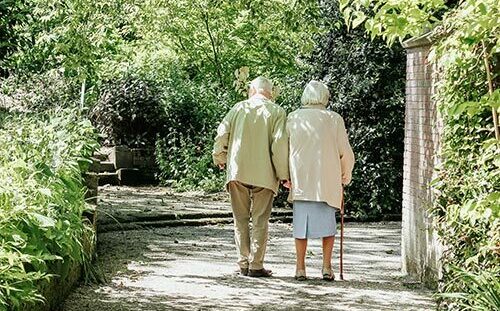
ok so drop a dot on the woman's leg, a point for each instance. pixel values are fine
(300, 248)
(327, 251)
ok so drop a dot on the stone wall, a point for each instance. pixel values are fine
(420, 249)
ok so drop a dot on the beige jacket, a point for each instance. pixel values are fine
(321, 159)
(252, 142)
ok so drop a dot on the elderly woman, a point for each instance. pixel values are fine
(321, 161)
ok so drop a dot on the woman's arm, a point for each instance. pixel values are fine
(345, 152)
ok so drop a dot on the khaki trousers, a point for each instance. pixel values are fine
(252, 249)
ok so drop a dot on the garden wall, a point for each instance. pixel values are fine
(420, 250)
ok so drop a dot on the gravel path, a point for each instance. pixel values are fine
(193, 268)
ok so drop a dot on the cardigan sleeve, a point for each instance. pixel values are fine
(345, 152)
(279, 147)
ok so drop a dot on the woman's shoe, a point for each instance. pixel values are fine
(328, 274)
(300, 275)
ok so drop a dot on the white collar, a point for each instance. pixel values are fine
(259, 96)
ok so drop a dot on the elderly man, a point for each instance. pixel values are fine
(251, 140)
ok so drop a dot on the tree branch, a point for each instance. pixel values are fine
(214, 49)
(490, 89)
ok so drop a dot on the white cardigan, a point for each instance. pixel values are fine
(320, 157)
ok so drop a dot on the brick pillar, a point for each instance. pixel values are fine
(420, 250)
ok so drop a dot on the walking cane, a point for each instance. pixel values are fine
(342, 237)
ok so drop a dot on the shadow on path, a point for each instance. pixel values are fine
(193, 268)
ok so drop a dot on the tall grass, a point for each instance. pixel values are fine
(41, 199)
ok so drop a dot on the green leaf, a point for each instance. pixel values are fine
(359, 19)
(44, 221)
(45, 191)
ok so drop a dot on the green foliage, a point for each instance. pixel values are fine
(129, 112)
(12, 15)
(41, 200)
(392, 20)
(184, 153)
(73, 35)
(483, 288)
(469, 179)
(187, 161)
(467, 207)
(216, 37)
(38, 92)
(366, 82)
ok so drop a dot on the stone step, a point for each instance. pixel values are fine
(107, 166)
(129, 176)
(109, 178)
(101, 156)
(95, 166)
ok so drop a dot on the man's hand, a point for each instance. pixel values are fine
(222, 166)
(287, 184)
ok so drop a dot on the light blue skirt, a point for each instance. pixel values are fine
(313, 219)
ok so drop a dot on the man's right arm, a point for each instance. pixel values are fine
(219, 153)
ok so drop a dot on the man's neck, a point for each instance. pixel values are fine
(259, 96)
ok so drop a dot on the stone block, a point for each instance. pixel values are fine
(107, 167)
(91, 180)
(108, 179)
(95, 166)
(129, 176)
(103, 153)
(122, 157)
(143, 158)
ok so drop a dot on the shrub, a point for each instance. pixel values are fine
(184, 153)
(38, 92)
(129, 112)
(467, 205)
(41, 200)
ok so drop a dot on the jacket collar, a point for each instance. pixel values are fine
(314, 106)
(259, 96)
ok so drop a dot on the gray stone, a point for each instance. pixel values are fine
(108, 179)
(129, 176)
(107, 167)
(143, 158)
(122, 157)
(95, 166)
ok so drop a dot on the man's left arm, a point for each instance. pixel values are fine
(279, 147)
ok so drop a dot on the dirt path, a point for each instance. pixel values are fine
(193, 268)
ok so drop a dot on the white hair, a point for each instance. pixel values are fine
(315, 93)
(261, 85)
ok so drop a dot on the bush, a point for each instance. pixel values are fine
(129, 112)
(38, 92)
(467, 205)
(366, 82)
(41, 200)
(184, 154)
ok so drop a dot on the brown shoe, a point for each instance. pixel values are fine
(260, 273)
(244, 271)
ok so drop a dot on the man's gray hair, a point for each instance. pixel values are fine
(315, 93)
(261, 84)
